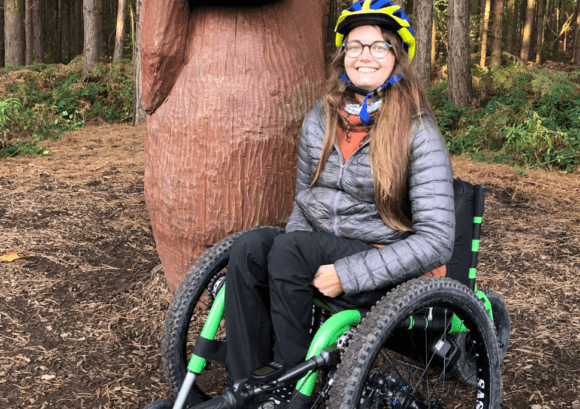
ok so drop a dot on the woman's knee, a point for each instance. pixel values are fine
(254, 242)
(292, 250)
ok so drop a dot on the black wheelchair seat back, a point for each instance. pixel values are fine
(458, 266)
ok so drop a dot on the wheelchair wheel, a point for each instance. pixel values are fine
(464, 369)
(389, 364)
(185, 319)
(160, 404)
(501, 318)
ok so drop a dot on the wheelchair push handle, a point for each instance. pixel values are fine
(478, 200)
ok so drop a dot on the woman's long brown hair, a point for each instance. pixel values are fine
(390, 134)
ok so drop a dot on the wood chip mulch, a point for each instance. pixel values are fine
(81, 314)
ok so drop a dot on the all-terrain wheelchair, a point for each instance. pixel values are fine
(431, 342)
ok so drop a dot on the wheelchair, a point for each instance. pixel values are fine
(431, 342)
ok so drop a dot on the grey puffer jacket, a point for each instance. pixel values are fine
(342, 203)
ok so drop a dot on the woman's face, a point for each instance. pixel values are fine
(366, 71)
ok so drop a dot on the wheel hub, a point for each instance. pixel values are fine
(216, 284)
(389, 390)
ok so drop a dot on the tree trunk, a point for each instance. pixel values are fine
(65, 23)
(2, 48)
(334, 9)
(473, 12)
(101, 25)
(120, 30)
(423, 33)
(58, 33)
(91, 42)
(485, 26)
(138, 111)
(556, 16)
(77, 25)
(576, 41)
(37, 32)
(459, 60)
(14, 32)
(433, 43)
(527, 33)
(540, 32)
(497, 33)
(226, 90)
(401, 3)
(28, 30)
(511, 25)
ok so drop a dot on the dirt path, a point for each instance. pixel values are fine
(81, 318)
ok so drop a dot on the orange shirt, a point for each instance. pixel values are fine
(353, 135)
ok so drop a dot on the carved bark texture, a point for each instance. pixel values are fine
(163, 39)
(14, 32)
(423, 33)
(459, 57)
(226, 90)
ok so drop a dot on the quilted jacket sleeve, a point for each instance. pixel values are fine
(431, 243)
(297, 220)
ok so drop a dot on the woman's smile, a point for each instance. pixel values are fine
(365, 71)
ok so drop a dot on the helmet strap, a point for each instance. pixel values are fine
(364, 115)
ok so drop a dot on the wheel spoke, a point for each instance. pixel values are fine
(416, 367)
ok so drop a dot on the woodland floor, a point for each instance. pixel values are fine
(81, 317)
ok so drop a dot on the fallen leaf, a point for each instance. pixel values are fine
(47, 377)
(10, 256)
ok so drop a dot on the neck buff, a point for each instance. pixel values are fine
(364, 115)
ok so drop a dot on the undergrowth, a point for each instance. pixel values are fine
(41, 101)
(522, 117)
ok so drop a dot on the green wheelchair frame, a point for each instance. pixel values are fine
(341, 322)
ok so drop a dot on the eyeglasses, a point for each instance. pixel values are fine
(378, 49)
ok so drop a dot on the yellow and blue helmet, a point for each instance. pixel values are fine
(383, 13)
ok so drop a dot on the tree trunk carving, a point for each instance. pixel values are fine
(226, 91)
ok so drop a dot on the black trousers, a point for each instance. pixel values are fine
(269, 292)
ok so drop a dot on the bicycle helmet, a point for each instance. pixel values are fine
(383, 13)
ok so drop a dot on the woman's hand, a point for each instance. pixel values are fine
(327, 282)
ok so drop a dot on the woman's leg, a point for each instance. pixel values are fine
(292, 262)
(247, 304)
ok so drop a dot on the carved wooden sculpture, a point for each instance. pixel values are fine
(226, 90)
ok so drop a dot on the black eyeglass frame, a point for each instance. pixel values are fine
(370, 46)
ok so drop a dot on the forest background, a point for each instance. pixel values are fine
(502, 75)
(82, 313)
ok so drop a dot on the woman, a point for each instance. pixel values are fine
(373, 205)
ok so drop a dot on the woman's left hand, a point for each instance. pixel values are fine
(327, 282)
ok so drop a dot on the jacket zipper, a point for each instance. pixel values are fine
(343, 165)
